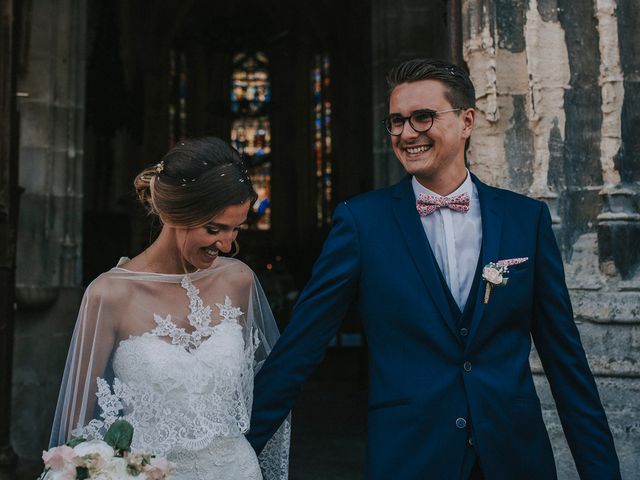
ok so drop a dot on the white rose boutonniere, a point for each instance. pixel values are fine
(494, 273)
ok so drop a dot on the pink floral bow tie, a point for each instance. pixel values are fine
(427, 204)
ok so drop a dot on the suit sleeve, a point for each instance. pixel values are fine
(572, 384)
(314, 322)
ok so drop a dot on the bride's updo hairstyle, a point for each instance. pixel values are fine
(194, 182)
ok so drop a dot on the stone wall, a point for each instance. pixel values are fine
(555, 80)
(48, 272)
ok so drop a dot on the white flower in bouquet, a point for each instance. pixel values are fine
(94, 455)
(94, 447)
(114, 468)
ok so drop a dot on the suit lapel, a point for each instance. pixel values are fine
(404, 209)
(492, 211)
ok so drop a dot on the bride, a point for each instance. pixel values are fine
(171, 339)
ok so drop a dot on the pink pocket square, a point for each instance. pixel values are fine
(512, 261)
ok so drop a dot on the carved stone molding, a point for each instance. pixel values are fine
(619, 232)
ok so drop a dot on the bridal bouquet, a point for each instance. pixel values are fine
(108, 459)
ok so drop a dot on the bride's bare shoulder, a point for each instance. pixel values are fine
(135, 264)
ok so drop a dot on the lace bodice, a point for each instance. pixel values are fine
(174, 397)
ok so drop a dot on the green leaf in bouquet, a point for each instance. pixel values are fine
(82, 473)
(133, 470)
(119, 435)
(75, 441)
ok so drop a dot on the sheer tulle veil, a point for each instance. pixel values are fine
(122, 306)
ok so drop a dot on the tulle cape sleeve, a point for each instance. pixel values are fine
(89, 353)
(274, 458)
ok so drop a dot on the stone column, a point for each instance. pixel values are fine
(617, 350)
(619, 221)
(51, 152)
(50, 227)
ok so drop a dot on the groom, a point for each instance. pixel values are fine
(451, 394)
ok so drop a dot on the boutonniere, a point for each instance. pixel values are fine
(494, 273)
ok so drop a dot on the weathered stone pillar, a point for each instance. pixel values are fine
(618, 224)
(50, 228)
(51, 152)
(400, 31)
(550, 78)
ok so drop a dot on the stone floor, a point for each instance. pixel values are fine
(329, 421)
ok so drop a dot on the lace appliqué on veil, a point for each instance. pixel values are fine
(110, 406)
(199, 319)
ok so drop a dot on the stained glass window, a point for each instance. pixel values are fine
(251, 128)
(250, 90)
(252, 136)
(321, 78)
(178, 96)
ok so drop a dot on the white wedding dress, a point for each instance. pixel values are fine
(184, 381)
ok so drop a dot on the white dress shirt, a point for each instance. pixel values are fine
(455, 239)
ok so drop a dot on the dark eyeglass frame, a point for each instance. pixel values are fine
(432, 113)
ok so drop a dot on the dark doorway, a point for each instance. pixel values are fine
(158, 71)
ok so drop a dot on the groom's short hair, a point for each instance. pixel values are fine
(460, 91)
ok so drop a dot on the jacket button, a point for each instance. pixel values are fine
(467, 366)
(464, 332)
(461, 423)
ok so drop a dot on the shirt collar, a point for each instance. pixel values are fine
(466, 187)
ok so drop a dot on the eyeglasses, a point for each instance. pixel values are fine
(420, 121)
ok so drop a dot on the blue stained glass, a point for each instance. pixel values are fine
(321, 80)
(251, 88)
(250, 96)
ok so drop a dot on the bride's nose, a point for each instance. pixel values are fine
(224, 244)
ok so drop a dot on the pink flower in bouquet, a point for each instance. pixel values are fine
(61, 460)
(159, 468)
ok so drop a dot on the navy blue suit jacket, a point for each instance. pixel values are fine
(377, 255)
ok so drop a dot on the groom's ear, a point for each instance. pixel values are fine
(467, 117)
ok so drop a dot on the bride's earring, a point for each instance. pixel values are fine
(236, 249)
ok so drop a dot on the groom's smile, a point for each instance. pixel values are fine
(416, 150)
